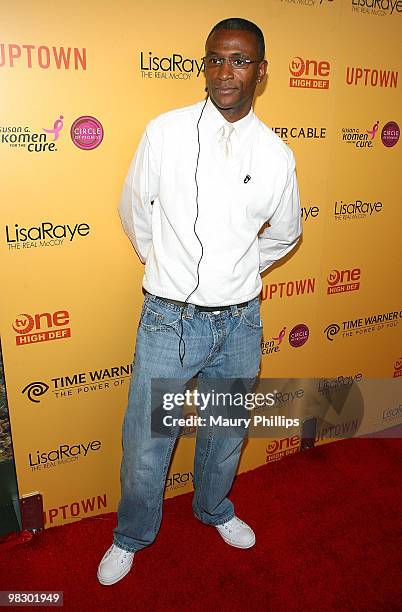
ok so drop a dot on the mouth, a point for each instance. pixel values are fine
(225, 90)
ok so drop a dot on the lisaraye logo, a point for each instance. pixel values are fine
(380, 8)
(64, 453)
(44, 234)
(178, 480)
(173, 66)
(357, 209)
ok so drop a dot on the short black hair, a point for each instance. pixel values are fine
(237, 23)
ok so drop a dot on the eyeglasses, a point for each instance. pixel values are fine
(236, 62)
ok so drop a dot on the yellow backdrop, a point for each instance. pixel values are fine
(78, 85)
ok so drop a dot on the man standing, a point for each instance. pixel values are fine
(203, 182)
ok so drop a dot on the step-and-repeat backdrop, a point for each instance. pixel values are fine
(78, 86)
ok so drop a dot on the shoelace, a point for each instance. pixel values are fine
(116, 553)
(237, 523)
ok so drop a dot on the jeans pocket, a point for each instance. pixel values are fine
(159, 318)
(251, 315)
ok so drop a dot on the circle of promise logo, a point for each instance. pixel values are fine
(87, 132)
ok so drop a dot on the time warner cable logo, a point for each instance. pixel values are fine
(35, 389)
(364, 325)
(80, 383)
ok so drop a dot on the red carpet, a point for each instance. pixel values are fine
(328, 525)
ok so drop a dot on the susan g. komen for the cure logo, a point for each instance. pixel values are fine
(365, 138)
(271, 346)
(360, 138)
(23, 137)
(41, 327)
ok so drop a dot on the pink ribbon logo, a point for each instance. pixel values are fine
(57, 126)
(281, 336)
(373, 130)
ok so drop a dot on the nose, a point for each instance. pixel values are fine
(225, 71)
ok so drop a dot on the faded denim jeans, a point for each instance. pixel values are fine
(224, 345)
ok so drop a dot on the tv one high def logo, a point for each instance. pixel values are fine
(309, 73)
(342, 281)
(41, 327)
(398, 368)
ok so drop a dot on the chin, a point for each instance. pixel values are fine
(225, 103)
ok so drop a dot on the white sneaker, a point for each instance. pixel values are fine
(236, 533)
(115, 564)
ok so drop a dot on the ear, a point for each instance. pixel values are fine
(262, 70)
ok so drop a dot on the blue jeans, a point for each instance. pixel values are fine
(224, 345)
